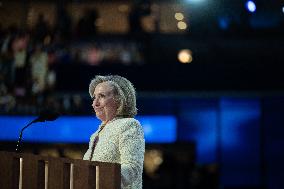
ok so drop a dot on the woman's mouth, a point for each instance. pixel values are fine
(98, 109)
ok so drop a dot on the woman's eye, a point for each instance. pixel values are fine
(101, 95)
(98, 96)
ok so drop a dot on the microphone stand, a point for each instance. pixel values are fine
(46, 115)
(21, 135)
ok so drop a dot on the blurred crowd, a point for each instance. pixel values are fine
(29, 56)
(27, 64)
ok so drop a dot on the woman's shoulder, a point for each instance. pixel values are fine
(125, 123)
(128, 121)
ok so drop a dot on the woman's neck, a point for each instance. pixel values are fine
(104, 122)
(109, 120)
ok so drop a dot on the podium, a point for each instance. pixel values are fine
(28, 171)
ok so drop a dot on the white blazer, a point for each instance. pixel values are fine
(121, 141)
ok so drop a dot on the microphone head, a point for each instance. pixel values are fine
(47, 115)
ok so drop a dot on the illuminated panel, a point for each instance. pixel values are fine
(198, 122)
(240, 123)
(159, 129)
(78, 129)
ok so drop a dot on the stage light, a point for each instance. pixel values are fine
(185, 56)
(153, 159)
(181, 25)
(179, 16)
(251, 7)
(283, 9)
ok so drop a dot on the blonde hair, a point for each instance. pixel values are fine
(124, 91)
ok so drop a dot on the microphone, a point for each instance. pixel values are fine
(45, 115)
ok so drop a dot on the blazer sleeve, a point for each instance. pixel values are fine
(132, 148)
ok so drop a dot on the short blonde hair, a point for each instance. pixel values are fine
(123, 89)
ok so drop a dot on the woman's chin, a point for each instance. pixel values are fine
(100, 117)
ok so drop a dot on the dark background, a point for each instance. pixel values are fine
(229, 101)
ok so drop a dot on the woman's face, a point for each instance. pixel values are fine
(104, 102)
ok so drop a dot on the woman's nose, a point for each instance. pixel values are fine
(95, 103)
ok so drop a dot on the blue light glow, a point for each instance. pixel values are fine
(240, 123)
(205, 134)
(78, 129)
(198, 124)
(251, 6)
(224, 23)
(159, 129)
